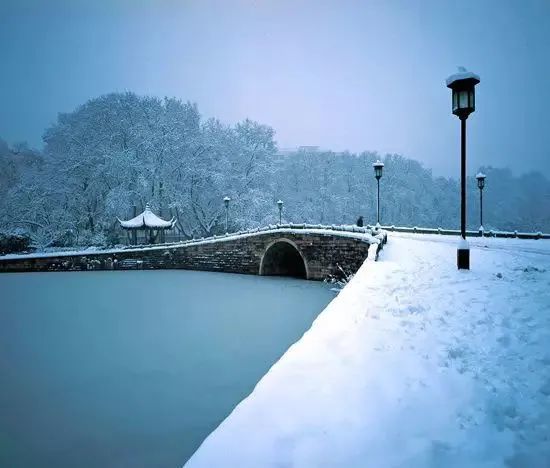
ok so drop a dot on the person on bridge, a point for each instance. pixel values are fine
(360, 221)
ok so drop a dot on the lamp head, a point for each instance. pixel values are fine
(462, 85)
(378, 167)
(480, 180)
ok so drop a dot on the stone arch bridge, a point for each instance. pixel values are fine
(305, 251)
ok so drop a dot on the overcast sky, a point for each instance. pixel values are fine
(357, 75)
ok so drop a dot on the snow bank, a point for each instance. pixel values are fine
(414, 364)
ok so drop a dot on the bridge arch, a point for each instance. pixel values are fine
(282, 257)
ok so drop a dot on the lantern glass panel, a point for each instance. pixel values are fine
(463, 100)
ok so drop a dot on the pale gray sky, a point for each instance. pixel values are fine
(339, 74)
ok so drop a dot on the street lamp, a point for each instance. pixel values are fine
(226, 201)
(280, 205)
(378, 166)
(480, 185)
(462, 84)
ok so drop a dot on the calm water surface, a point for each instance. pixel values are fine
(135, 369)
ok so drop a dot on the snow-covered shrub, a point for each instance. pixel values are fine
(340, 279)
(13, 243)
(62, 238)
(98, 239)
(112, 238)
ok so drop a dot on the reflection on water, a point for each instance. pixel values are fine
(135, 369)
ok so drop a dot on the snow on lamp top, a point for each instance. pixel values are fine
(480, 175)
(147, 219)
(280, 202)
(462, 75)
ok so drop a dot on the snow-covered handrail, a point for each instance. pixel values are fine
(371, 230)
(470, 233)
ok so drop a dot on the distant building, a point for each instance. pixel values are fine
(308, 149)
(295, 149)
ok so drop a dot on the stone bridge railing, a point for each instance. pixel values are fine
(370, 230)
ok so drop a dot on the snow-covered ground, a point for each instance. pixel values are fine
(414, 364)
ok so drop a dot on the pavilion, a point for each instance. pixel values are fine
(149, 223)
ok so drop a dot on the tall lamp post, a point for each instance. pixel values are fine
(480, 185)
(226, 201)
(462, 85)
(378, 166)
(280, 205)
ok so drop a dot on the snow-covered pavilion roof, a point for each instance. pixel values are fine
(147, 219)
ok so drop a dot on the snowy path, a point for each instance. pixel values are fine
(413, 364)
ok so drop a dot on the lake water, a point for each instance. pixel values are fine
(135, 368)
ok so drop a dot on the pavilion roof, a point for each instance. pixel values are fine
(147, 219)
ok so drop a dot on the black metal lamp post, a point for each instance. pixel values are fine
(378, 166)
(280, 205)
(226, 201)
(480, 185)
(462, 85)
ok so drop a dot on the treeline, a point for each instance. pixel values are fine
(124, 150)
(335, 188)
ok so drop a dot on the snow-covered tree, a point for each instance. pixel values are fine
(121, 151)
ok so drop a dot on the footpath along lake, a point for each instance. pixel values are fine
(136, 368)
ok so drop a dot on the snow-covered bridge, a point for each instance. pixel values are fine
(309, 251)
